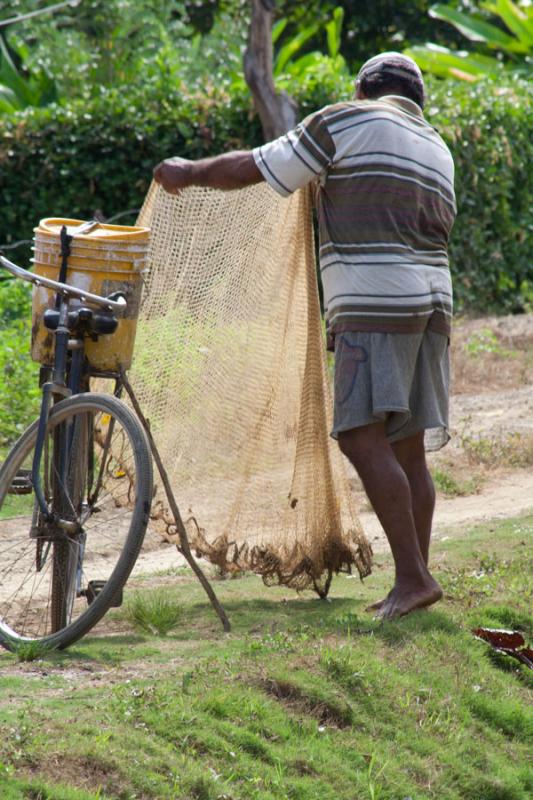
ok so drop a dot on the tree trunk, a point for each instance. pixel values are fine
(277, 111)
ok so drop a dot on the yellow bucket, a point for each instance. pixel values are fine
(107, 259)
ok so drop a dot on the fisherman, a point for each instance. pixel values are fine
(386, 205)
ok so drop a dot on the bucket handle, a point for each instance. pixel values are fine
(87, 227)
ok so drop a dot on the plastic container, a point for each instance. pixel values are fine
(107, 259)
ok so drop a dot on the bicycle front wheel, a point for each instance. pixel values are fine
(57, 579)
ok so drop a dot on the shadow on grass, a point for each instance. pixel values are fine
(268, 615)
(109, 649)
(303, 617)
(502, 616)
(510, 666)
(418, 623)
(342, 616)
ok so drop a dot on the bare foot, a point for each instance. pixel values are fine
(403, 600)
(380, 603)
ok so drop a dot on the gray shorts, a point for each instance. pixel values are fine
(401, 379)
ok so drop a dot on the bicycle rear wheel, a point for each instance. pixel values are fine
(58, 580)
(72, 445)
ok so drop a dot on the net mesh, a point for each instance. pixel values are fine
(230, 370)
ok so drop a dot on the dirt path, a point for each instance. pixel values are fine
(509, 496)
(506, 496)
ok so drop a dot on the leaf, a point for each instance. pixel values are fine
(474, 29)
(291, 48)
(46, 88)
(334, 31)
(517, 20)
(185, 129)
(8, 100)
(456, 63)
(507, 640)
(304, 63)
(10, 77)
(278, 29)
(38, 90)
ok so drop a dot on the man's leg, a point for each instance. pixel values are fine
(389, 491)
(411, 455)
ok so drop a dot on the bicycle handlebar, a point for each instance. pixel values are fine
(63, 288)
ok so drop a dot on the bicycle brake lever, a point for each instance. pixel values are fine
(118, 297)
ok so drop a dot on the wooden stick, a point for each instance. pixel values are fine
(184, 546)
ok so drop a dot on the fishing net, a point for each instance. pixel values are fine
(230, 370)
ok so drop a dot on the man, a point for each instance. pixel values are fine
(385, 207)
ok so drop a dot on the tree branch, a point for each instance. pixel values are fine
(277, 111)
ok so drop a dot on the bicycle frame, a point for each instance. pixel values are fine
(86, 463)
(66, 378)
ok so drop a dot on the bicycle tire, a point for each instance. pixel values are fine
(66, 555)
(114, 513)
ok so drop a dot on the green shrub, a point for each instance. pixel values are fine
(98, 156)
(19, 391)
(488, 128)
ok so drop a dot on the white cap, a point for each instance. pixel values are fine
(396, 64)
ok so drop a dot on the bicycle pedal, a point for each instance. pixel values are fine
(93, 590)
(21, 483)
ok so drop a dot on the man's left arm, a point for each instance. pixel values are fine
(228, 171)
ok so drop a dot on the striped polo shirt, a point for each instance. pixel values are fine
(385, 207)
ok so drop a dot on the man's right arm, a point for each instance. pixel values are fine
(228, 171)
(288, 163)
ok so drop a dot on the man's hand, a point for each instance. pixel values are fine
(174, 174)
(228, 171)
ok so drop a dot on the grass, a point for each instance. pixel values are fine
(485, 341)
(304, 699)
(450, 486)
(30, 650)
(155, 612)
(508, 450)
(16, 505)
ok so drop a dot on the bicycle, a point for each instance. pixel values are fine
(75, 489)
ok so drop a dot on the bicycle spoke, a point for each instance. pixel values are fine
(95, 484)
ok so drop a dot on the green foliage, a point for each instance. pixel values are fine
(449, 485)
(18, 87)
(156, 612)
(368, 27)
(343, 707)
(285, 61)
(486, 126)
(516, 43)
(199, 44)
(19, 391)
(486, 341)
(120, 43)
(99, 155)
